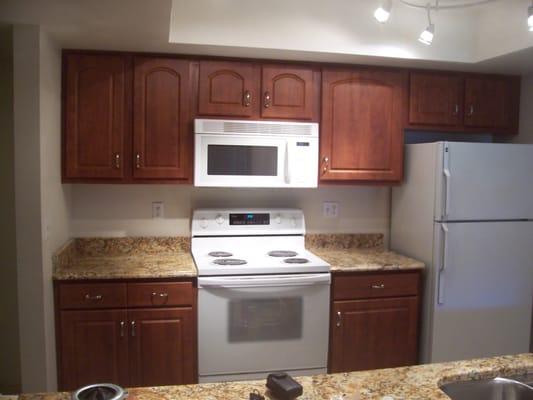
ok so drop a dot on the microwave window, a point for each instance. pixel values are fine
(242, 160)
(252, 320)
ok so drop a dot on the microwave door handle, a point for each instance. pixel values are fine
(287, 164)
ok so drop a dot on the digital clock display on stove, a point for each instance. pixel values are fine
(249, 219)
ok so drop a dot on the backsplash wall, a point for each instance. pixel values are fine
(126, 210)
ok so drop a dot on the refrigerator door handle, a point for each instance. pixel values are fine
(440, 294)
(447, 178)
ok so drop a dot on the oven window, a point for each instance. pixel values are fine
(242, 160)
(253, 320)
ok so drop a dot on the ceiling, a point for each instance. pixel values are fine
(491, 38)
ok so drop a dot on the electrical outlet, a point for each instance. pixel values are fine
(330, 209)
(158, 209)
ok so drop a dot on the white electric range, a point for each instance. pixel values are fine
(263, 299)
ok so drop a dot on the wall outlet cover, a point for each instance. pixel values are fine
(158, 209)
(330, 209)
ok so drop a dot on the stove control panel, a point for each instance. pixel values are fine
(214, 222)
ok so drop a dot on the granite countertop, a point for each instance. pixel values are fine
(124, 258)
(170, 257)
(358, 253)
(417, 382)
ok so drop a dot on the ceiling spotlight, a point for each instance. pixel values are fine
(529, 18)
(382, 13)
(426, 37)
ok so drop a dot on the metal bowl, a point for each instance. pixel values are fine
(100, 391)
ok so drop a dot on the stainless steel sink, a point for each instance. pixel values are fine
(515, 388)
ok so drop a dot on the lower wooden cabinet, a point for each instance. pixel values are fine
(149, 346)
(375, 328)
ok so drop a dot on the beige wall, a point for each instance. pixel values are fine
(41, 201)
(121, 210)
(9, 345)
(526, 111)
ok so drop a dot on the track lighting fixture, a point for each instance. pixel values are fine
(427, 35)
(530, 17)
(382, 13)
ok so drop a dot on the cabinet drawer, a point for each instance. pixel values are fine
(160, 294)
(375, 285)
(92, 295)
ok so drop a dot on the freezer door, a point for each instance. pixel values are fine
(483, 288)
(484, 181)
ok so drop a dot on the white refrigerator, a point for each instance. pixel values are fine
(466, 210)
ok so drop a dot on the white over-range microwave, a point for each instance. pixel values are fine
(268, 154)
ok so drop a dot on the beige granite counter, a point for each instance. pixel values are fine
(358, 253)
(417, 382)
(124, 258)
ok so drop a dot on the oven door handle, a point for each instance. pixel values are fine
(264, 281)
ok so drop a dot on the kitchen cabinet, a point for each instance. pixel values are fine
(95, 113)
(464, 103)
(290, 92)
(435, 99)
(363, 115)
(228, 89)
(130, 333)
(162, 142)
(374, 321)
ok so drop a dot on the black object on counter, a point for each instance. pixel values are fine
(283, 387)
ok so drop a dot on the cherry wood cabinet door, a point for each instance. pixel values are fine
(228, 89)
(95, 115)
(363, 115)
(289, 92)
(491, 102)
(93, 347)
(371, 334)
(162, 347)
(162, 143)
(435, 99)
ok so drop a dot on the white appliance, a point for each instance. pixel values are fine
(466, 210)
(263, 299)
(255, 153)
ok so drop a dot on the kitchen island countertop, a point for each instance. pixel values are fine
(417, 382)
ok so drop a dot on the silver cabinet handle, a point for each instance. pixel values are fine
(339, 319)
(162, 294)
(137, 161)
(98, 297)
(132, 328)
(267, 100)
(117, 161)
(378, 286)
(325, 166)
(247, 100)
(456, 110)
(122, 323)
(471, 110)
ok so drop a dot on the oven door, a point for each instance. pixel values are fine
(250, 326)
(255, 161)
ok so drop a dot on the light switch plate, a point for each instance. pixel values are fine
(158, 209)
(330, 209)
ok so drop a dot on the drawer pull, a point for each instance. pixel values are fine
(339, 319)
(98, 297)
(122, 328)
(132, 328)
(379, 286)
(162, 294)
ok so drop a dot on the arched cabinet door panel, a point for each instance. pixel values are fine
(161, 136)
(228, 89)
(290, 92)
(363, 114)
(95, 115)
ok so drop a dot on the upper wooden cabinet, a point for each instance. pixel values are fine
(95, 115)
(228, 89)
(289, 92)
(251, 90)
(436, 99)
(491, 103)
(161, 125)
(363, 115)
(464, 103)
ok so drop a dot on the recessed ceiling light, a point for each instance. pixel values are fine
(382, 13)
